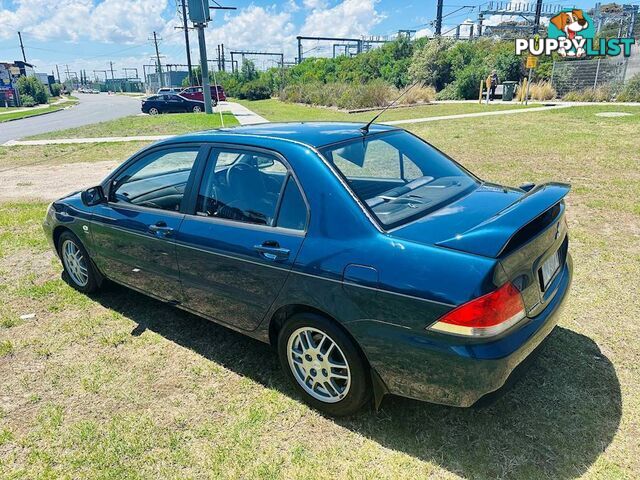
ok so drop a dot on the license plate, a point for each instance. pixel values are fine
(549, 269)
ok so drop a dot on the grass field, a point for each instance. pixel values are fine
(20, 156)
(15, 115)
(119, 386)
(277, 111)
(144, 125)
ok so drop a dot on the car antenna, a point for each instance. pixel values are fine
(365, 129)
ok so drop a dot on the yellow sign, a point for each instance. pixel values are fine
(532, 62)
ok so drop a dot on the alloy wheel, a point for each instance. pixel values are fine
(153, 111)
(75, 263)
(197, 109)
(318, 364)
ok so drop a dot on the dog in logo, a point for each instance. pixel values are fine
(570, 23)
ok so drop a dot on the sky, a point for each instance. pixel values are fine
(88, 34)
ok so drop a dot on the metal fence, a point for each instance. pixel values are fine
(572, 75)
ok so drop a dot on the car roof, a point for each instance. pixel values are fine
(314, 134)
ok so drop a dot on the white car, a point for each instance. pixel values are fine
(169, 90)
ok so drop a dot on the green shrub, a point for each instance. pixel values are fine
(467, 82)
(32, 87)
(56, 89)
(27, 101)
(255, 90)
(631, 90)
(449, 92)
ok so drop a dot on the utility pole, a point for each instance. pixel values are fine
(536, 21)
(186, 40)
(58, 72)
(439, 18)
(222, 57)
(204, 68)
(24, 57)
(111, 67)
(158, 64)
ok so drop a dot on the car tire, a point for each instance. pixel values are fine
(196, 109)
(154, 111)
(336, 376)
(79, 270)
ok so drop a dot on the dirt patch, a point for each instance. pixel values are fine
(49, 182)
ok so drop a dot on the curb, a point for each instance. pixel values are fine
(37, 114)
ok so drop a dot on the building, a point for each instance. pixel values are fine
(9, 73)
(169, 79)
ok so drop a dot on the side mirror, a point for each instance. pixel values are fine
(93, 196)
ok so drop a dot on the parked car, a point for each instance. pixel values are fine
(164, 90)
(370, 260)
(195, 93)
(156, 104)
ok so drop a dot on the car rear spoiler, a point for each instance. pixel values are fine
(491, 237)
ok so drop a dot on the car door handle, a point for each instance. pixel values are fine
(160, 229)
(272, 251)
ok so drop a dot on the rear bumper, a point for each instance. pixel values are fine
(459, 375)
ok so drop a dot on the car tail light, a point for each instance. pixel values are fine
(484, 316)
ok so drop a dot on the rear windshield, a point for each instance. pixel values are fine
(398, 176)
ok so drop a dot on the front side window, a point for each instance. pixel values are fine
(157, 180)
(241, 185)
(398, 176)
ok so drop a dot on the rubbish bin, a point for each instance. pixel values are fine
(507, 90)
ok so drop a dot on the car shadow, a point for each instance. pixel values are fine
(553, 422)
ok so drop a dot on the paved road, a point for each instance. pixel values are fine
(91, 109)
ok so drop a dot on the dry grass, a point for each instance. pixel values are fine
(542, 91)
(120, 386)
(419, 94)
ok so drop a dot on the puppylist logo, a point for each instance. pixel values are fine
(571, 33)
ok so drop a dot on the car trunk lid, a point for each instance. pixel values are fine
(522, 230)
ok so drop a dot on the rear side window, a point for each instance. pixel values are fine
(293, 210)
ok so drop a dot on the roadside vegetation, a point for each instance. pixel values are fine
(277, 111)
(118, 385)
(144, 125)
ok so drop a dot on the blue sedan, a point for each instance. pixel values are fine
(371, 261)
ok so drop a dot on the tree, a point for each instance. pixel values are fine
(248, 71)
(431, 65)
